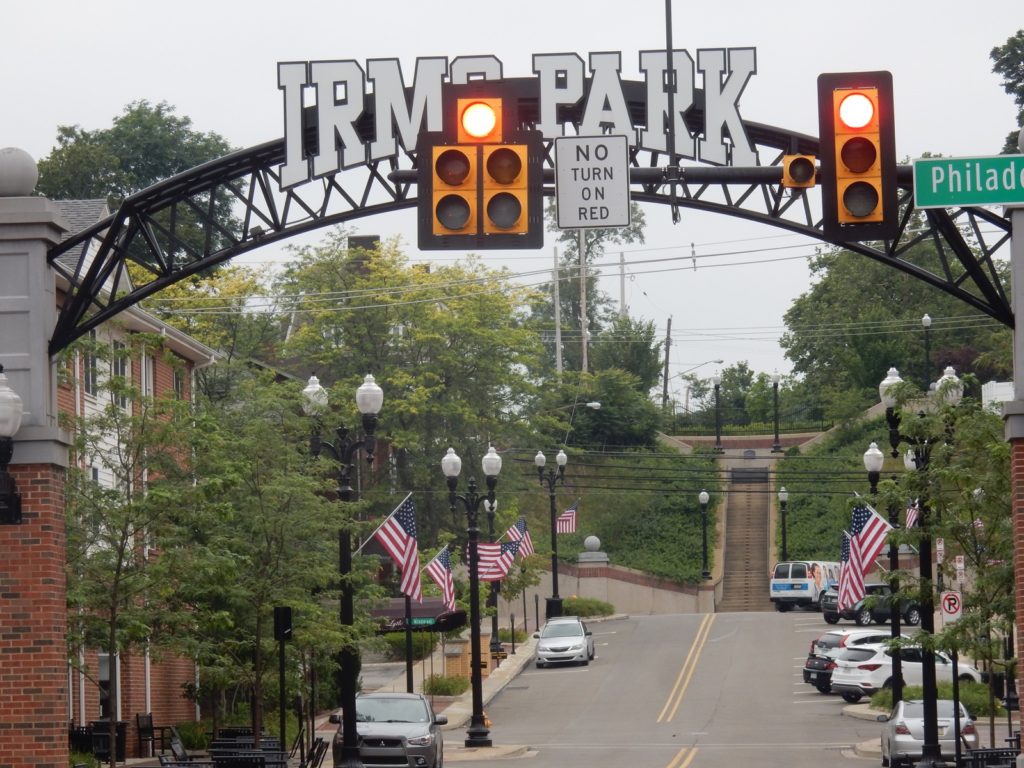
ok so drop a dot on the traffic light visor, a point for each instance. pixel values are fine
(452, 166)
(856, 110)
(479, 120)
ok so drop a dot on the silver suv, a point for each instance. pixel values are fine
(564, 639)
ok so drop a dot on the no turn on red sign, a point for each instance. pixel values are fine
(952, 604)
(592, 181)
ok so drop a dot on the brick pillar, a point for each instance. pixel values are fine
(33, 607)
(1013, 412)
(33, 619)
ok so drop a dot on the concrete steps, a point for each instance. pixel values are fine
(745, 566)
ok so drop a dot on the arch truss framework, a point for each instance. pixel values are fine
(230, 206)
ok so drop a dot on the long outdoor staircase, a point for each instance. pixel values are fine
(745, 559)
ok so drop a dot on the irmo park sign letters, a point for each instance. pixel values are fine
(340, 91)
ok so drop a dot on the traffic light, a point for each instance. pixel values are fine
(799, 171)
(480, 184)
(858, 156)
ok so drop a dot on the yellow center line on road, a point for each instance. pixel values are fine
(683, 758)
(686, 672)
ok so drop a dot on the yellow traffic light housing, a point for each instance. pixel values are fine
(480, 185)
(858, 156)
(799, 171)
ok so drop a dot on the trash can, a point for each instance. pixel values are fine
(101, 738)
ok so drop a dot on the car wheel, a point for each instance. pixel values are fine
(863, 617)
(781, 607)
(885, 760)
(852, 697)
(965, 678)
(831, 618)
(586, 662)
(913, 617)
(826, 688)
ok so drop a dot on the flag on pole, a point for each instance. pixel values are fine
(566, 522)
(397, 534)
(868, 533)
(495, 561)
(440, 570)
(913, 513)
(518, 532)
(851, 579)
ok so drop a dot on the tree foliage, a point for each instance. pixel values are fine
(1008, 61)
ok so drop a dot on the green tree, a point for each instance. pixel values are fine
(1008, 61)
(145, 144)
(629, 345)
(130, 470)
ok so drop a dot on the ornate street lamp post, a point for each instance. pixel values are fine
(492, 598)
(783, 498)
(917, 458)
(369, 399)
(478, 734)
(777, 446)
(551, 479)
(704, 498)
(717, 381)
(873, 460)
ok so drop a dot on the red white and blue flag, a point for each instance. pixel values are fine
(495, 560)
(397, 534)
(440, 570)
(566, 522)
(851, 578)
(868, 534)
(913, 513)
(518, 532)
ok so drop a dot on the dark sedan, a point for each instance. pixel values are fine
(875, 606)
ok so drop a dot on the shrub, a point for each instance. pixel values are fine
(193, 734)
(82, 758)
(586, 606)
(440, 685)
(422, 644)
(974, 696)
(505, 635)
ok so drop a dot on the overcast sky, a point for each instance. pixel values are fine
(67, 62)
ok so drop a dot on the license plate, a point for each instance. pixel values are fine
(812, 675)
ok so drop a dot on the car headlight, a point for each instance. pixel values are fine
(422, 741)
(576, 647)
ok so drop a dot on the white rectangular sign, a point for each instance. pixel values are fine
(592, 181)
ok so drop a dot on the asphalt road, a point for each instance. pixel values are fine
(683, 691)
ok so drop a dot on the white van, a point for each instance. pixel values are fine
(801, 582)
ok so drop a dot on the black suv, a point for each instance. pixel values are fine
(875, 606)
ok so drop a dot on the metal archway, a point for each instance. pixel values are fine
(177, 227)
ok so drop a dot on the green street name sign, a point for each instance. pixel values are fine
(421, 621)
(949, 182)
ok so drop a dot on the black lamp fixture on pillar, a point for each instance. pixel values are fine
(873, 461)
(948, 389)
(492, 598)
(551, 479)
(783, 498)
(704, 498)
(369, 399)
(11, 410)
(478, 734)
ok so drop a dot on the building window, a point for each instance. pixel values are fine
(179, 384)
(90, 376)
(103, 679)
(119, 370)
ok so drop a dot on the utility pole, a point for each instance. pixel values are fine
(622, 284)
(668, 345)
(555, 282)
(581, 237)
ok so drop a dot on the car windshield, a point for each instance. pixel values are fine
(943, 707)
(390, 710)
(562, 629)
(857, 654)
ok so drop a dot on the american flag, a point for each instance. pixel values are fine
(566, 522)
(913, 513)
(397, 535)
(440, 570)
(496, 560)
(851, 579)
(868, 533)
(518, 532)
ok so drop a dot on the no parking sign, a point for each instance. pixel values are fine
(952, 606)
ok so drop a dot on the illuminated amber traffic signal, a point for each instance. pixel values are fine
(799, 171)
(483, 185)
(858, 163)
